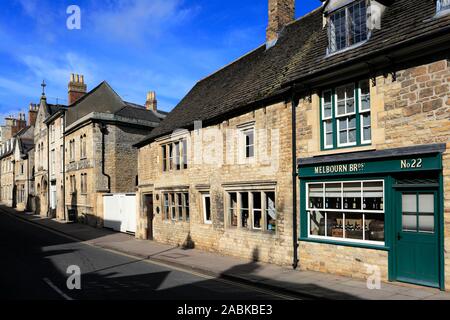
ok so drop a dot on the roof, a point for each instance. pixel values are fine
(104, 99)
(300, 51)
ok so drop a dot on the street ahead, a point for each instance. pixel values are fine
(34, 263)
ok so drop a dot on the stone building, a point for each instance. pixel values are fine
(23, 170)
(99, 132)
(366, 86)
(13, 153)
(43, 145)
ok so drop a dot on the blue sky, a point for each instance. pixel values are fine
(135, 45)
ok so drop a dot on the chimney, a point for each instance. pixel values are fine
(281, 12)
(18, 124)
(151, 103)
(32, 114)
(77, 88)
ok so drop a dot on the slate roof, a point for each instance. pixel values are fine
(104, 99)
(300, 51)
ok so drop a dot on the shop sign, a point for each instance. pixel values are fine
(428, 162)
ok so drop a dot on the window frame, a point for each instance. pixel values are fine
(440, 7)
(205, 220)
(238, 209)
(175, 155)
(344, 211)
(358, 114)
(347, 28)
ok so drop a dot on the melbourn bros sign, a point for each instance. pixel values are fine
(416, 163)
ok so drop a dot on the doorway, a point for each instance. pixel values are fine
(417, 237)
(149, 213)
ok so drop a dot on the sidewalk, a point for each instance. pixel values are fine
(305, 284)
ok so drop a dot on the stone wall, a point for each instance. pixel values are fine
(222, 168)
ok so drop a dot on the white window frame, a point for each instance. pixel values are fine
(362, 113)
(242, 142)
(346, 115)
(442, 5)
(204, 196)
(344, 211)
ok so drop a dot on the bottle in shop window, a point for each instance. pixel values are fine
(364, 204)
(354, 203)
(345, 203)
(310, 203)
(326, 203)
(338, 202)
(381, 205)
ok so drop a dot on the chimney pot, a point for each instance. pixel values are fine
(77, 88)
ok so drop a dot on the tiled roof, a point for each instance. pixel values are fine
(300, 51)
(104, 99)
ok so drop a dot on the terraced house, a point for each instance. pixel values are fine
(325, 148)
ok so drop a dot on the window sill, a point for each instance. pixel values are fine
(340, 150)
(346, 244)
(354, 46)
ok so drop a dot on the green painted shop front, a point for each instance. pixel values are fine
(389, 200)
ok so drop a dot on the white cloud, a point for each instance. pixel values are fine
(137, 20)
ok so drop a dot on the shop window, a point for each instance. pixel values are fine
(271, 212)
(245, 208)
(179, 201)
(347, 26)
(254, 210)
(207, 208)
(166, 206)
(176, 206)
(186, 206)
(346, 116)
(233, 209)
(257, 211)
(353, 211)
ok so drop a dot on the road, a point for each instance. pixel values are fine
(34, 264)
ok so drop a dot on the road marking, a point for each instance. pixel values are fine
(161, 264)
(62, 294)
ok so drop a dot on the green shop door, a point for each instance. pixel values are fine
(417, 245)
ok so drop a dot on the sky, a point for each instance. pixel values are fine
(135, 45)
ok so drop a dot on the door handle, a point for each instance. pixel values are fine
(399, 236)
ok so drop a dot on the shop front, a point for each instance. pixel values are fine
(389, 200)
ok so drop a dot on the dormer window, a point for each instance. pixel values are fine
(347, 26)
(442, 5)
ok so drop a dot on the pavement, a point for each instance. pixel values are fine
(283, 280)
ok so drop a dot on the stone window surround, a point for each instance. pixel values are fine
(250, 188)
(172, 206)
(167, 162)
(242, 142)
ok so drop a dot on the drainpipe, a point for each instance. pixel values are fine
(64, 164)
(104, 131)
(294, 105)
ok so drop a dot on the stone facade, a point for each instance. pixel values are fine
(41, 161)
(413, 110)
(216, 167)
(120, 167)
(56, 165)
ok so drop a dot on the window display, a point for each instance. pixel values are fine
(352, 210)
